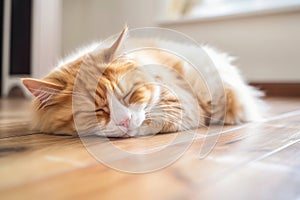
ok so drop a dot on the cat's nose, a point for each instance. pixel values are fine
(125, 123)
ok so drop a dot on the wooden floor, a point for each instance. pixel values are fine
(251, 161)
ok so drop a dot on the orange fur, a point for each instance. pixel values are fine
(56, 116)
(132, 86)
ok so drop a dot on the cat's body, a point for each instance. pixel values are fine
(135, 96)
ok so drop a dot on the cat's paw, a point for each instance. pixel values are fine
(142, 131)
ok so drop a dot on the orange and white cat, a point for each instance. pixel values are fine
(129, 100)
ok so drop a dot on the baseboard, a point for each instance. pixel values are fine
(279, 89)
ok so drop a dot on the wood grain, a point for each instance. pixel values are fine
(251, 161)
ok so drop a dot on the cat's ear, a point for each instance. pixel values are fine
(115, 50)
(42, 90)
(117, 47)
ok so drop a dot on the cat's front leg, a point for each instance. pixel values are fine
(154, 128)
(142, 131)
(147, 128)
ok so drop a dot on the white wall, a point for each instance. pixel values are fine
(85, 21)
(46, 36)
(267, 45)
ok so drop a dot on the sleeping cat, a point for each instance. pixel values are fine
(128, 96)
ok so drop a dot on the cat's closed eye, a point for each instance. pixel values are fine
(127, 96)
(103, 110)
(99, 110)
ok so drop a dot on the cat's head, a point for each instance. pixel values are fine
(119, 99)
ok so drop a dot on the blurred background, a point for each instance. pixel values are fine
(262, 34)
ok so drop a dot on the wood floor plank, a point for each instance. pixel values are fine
(38, 156)
(190, 170)
(275, 177)
(253, 161)
(14, 117)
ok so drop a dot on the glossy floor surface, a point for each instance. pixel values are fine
(258, 160)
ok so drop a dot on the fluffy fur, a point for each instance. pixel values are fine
(130, 100)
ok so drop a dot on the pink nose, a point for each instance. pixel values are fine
(125, 123)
